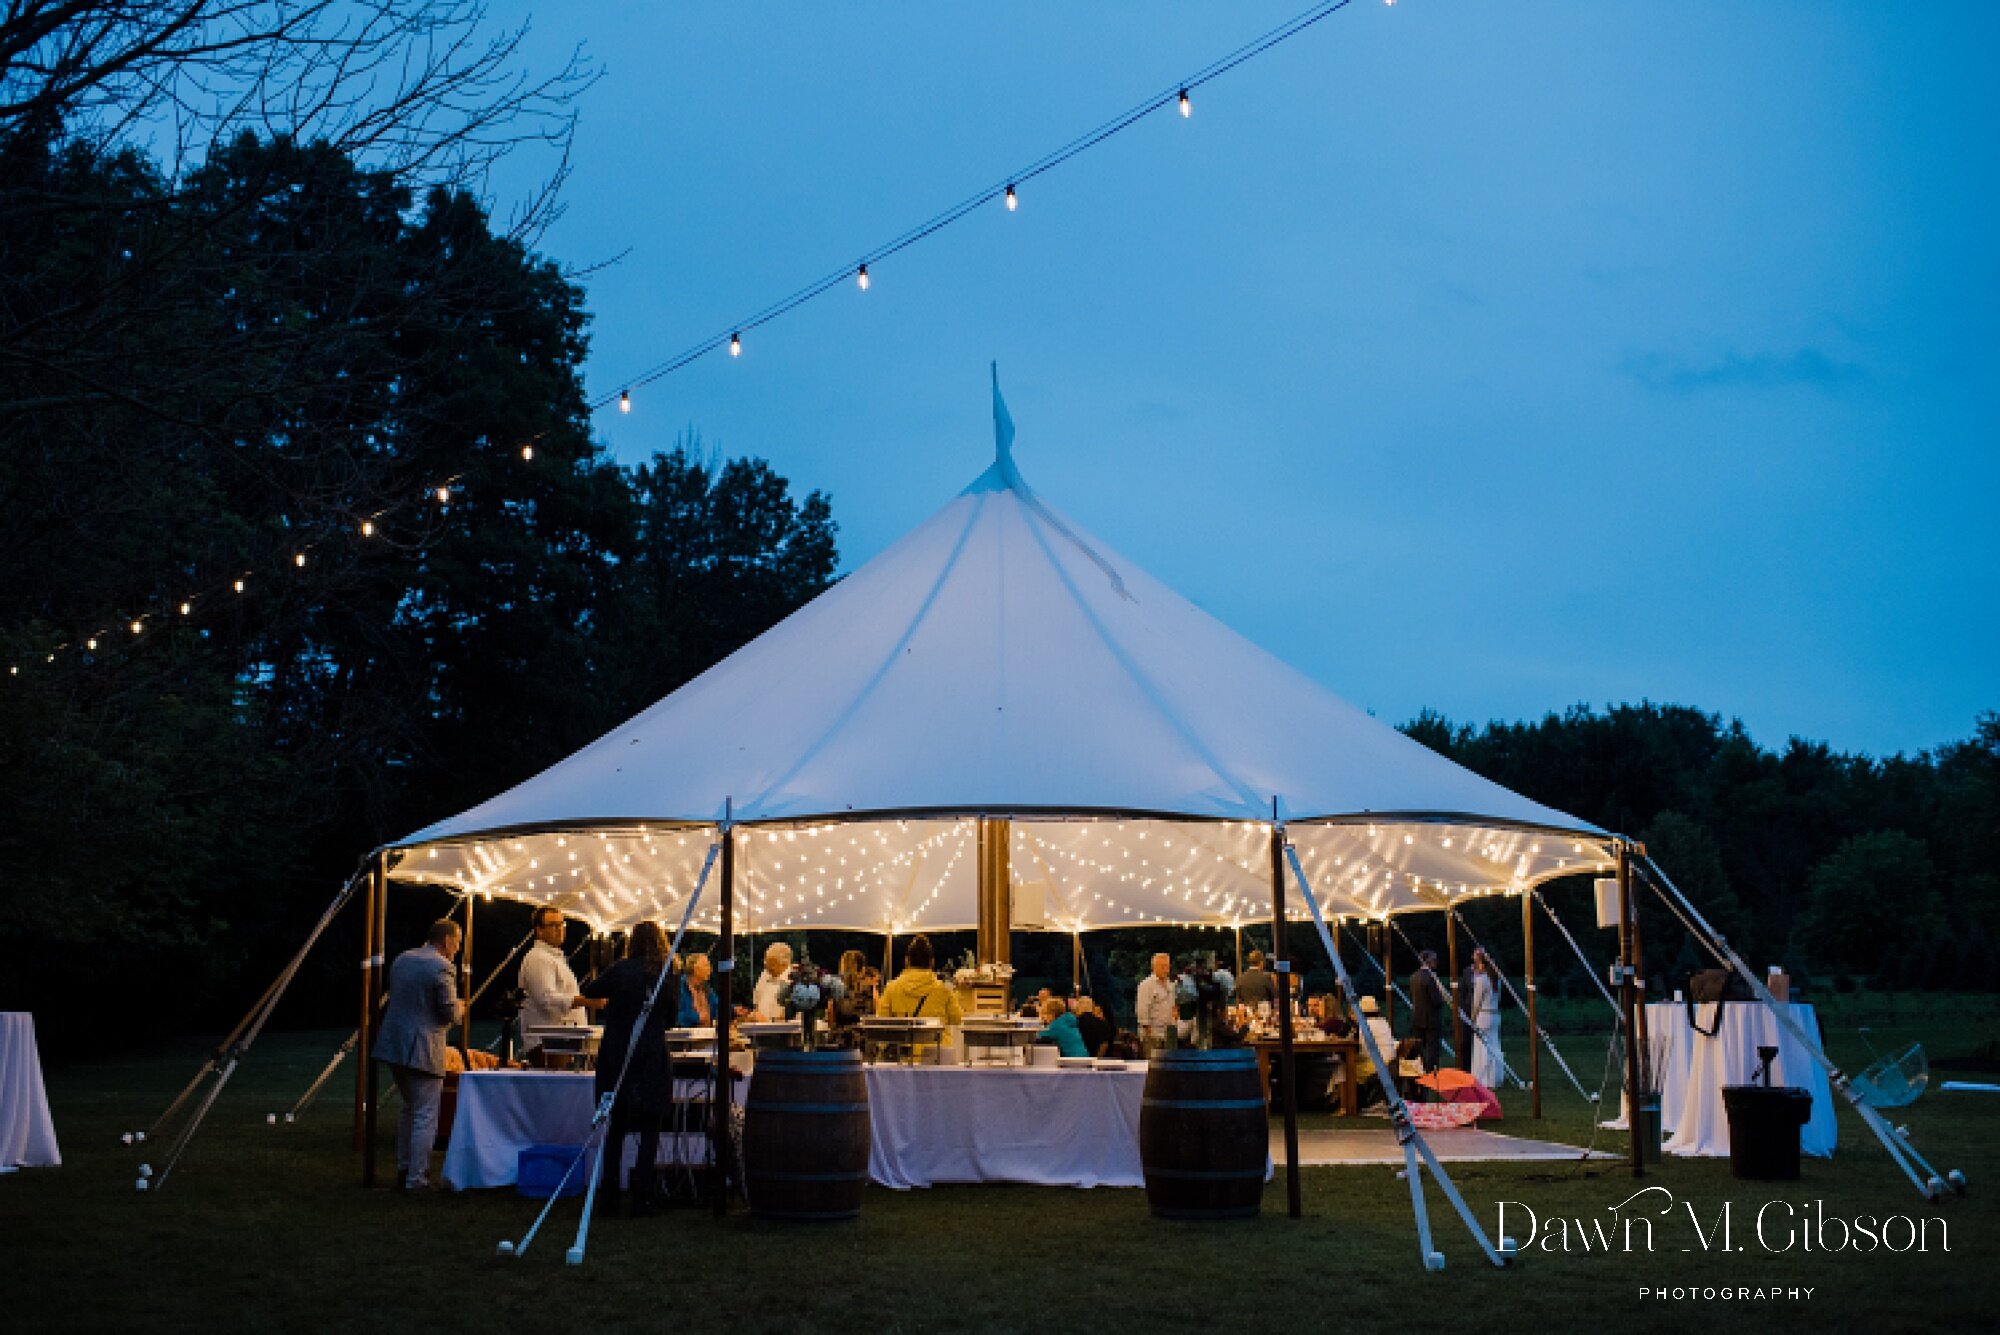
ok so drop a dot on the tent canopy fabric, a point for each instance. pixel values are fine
(998, 660)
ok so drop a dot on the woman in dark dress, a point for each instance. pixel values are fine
(645, 1098)
(857, 999)
(1097, 1030)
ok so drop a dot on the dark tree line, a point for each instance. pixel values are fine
(281, 353)
(1842, 867)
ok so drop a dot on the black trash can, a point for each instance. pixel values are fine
(1764, 1125)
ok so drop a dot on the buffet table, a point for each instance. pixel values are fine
(501, 1113)
(1047, 1126)
(27, 1132)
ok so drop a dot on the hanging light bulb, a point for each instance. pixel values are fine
(90, 645)
(137, 627)
(736, 345)
(1187, 107)
(367, 528)
(239, 586)
(187, 608)
(861, 278)
(1013, 200)
(624, 400)
(443, 495)
(527, 454)
(299, 560)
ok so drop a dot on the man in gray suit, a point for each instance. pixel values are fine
(1428, 1004)
(423, 1004)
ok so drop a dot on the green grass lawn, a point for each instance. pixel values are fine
(266, 1228)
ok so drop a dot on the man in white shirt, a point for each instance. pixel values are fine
(547, 978)
(1157, 1011)
(777, 963)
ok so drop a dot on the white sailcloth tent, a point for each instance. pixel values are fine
(998, 661)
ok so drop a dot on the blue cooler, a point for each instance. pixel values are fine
(540, 1170)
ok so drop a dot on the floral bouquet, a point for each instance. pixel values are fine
(1202, 994)
(806, 991)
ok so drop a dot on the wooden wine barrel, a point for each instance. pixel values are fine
(1204, 1136)
(805, 1135)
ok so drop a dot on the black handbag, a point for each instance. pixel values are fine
(1718, 986)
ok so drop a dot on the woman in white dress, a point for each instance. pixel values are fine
(1484, 999)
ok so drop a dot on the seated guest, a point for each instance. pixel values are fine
(646, 1096)
(1060, 1027)
(764, 999)
(1256, 986)
(697, 1003)
(918, 992)
(1031, 1009)
(1385, 1042)
(1093, 1027)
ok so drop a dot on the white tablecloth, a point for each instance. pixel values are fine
(501, 1113)
(931, 1124)
(1701, 1125)
(27, 1132)
(1049, 1127)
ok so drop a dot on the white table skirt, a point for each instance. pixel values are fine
(1052, 1128)
(931, 1124)
(1701, 1125)
(501, 1113)
(27, 1132)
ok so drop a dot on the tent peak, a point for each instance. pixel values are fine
(1003, 475)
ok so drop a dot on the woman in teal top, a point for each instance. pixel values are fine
(1059, 1026)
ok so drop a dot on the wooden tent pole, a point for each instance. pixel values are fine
(1388, 975)
(1239, 950)
(723, 1098)
(365, 1044)
(1464, 1053)
(1075, 962)
(371, 1022)
(1628, 1000)
(465, 988)
(1281, 965)
(1534, 1025)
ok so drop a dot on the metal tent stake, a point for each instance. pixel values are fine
(224, 1064)
(1535, 1030)
(1918, 1169)
(1417, 1153)
(599, 1135)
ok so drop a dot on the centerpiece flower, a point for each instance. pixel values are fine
(1202, 994)
(807, 990)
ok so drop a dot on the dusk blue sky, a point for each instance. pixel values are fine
(1491, 357)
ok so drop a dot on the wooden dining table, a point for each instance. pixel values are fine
(1347, 1049)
